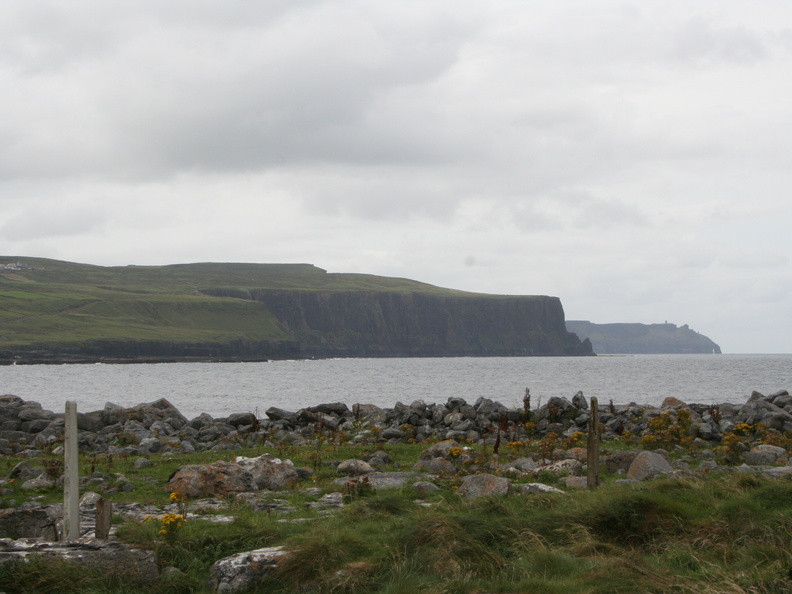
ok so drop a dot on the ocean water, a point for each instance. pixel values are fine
(220, 389)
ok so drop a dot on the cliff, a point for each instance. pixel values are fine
(387, 324)
(643, 338)
(57, 311)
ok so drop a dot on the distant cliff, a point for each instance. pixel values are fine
(55, 311)
(386, 324)
(643, 338)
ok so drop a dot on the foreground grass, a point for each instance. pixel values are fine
(724, 533)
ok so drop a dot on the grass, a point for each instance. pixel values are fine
(726, 532)
(59, 303)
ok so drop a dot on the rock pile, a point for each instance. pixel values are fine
(158, 427)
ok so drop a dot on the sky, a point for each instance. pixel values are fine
(632, 158)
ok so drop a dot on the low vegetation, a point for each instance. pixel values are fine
(724, 531)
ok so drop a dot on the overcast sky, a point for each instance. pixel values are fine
(632, 158)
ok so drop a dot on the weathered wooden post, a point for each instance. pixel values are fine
(104, 518)
(593, 445)
(71, 475)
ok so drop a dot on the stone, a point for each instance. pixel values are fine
(766, 455)
(243, 571)
(440, 450)
(392, 433)
(619, 461)
(42, 481)
(575, 482)
(524, 464)
(239, 419)
(579, 401)
(540, 489)
(480, 485)
(207, 480)
(423, 488)
(133, 566)
(353, 467)
(778, 471)
(278, 414)
(269, 472)
(389, 480)
(330, 500)
(569, 467)
(150, 445)
(647, 465)
(31, 521)
(435, 465)
(24, 471)
(671, 402)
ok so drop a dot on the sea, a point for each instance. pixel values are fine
(220, 389)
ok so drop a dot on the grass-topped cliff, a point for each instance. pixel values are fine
(62, 311)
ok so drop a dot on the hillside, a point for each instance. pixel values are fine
(54, 311)
(642, 338)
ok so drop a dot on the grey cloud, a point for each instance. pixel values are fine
(51, 222)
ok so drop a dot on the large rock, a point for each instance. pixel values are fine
(132, 566)
(353, 467)
(479, 485)
(647, 465)
(268, 472)
(435, 465)
(243, 571)
(766, 455)
(388, 480)
(208, 480)
(619, 461)
(30, 521)
(440, 450)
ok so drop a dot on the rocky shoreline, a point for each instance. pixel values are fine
(27, 429)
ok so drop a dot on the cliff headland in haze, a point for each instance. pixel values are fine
(55, 312)
(643, 338)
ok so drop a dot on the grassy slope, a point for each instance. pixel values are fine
(64, 302)
(726, 532)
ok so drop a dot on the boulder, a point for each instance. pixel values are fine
(671, 402)
(240, 419)
(134, 567)
(569, 467)
(423, 488)
(243, 571)
(435, 465)
(353, 467)
(440, 450)
(278, 414)
(30, 521)
(619, 461)
(389, 480)
(24, 471)
(647, 465)
(208, 480)
(524, 464)
(480, 485)
(766, 455)
(268, 472)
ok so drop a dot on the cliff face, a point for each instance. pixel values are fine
(66, 312)
(643, 338)
(372, 323)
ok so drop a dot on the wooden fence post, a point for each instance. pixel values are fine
(593, 445)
